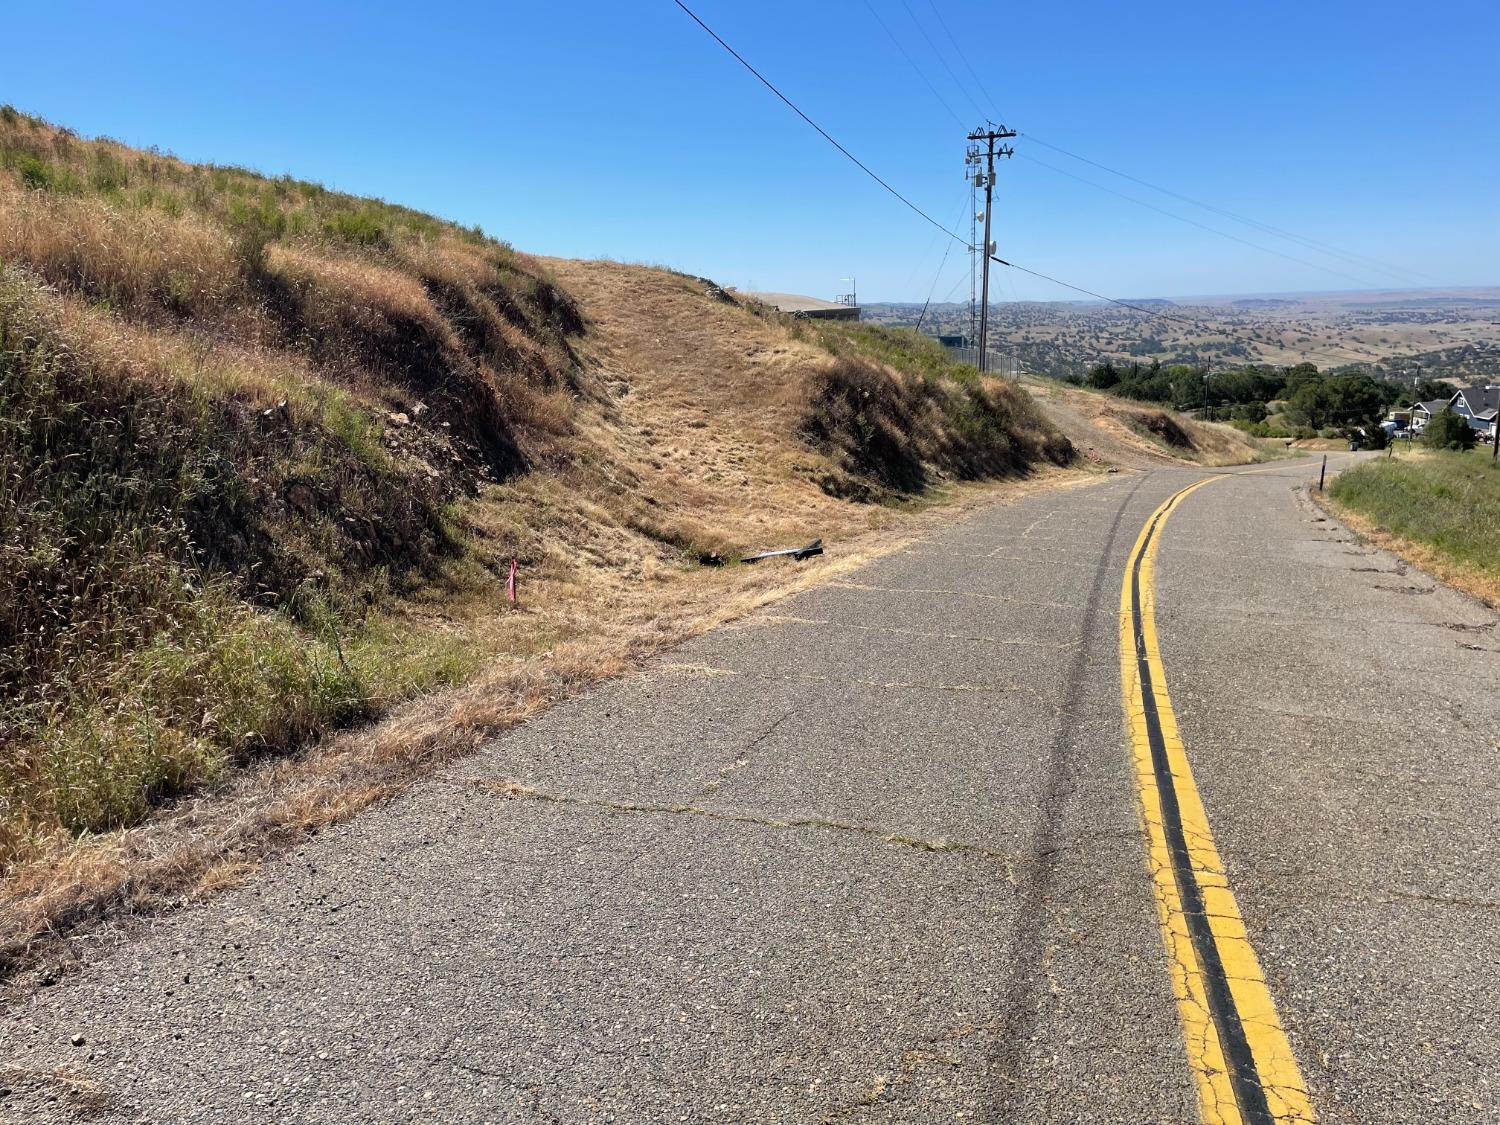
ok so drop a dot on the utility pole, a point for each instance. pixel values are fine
(971, 174)
(989, 136)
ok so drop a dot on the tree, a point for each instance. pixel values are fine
(1428, 389)
(1299, 375)
(1448, 431)
(1103, 377)
(1250, 412)
(1309, 404)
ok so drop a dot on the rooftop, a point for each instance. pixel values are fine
(796, 303)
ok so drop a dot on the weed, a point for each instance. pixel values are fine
(359, 228)
(1449, 502)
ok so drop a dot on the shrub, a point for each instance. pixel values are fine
(1448, 431)
(254, 227)
(357, 227)
(40, 175)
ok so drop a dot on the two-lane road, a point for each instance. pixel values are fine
(878, 854)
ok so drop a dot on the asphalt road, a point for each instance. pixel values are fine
(876, 855)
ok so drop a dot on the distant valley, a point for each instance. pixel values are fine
(1403, 334)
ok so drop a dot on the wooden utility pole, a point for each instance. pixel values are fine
(986, 179)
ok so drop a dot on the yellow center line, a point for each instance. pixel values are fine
(1245, 1070)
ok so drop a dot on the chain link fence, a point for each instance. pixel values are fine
(1001, 363)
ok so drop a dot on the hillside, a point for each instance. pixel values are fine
(267, 452)
(1109, 430)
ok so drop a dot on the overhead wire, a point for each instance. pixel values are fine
(1310, 243)
(963, 58)
(1361, 260)
(929, 219)
(769, 85)
(1192, 222)
(935, 279)
(1157, 313)
(913, 62)
(922, 31)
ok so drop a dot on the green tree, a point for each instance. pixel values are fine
(1103, 377)
(1309, 404)
(1448, 431)
(1250, 412)
(1299, 375)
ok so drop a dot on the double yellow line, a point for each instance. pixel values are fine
(1240, 1056)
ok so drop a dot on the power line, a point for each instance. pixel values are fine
(1159, 315)
(933, 288)
(942, 61)
(1438, 339)
(907, 55)
(963, 58)
(1194, 222)
(769, 85)
(929, 219)
(1360, 260)
(1312, 244)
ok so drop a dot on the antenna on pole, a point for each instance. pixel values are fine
(986, 178)
(972, 175)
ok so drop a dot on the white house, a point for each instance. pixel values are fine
(1422, 412)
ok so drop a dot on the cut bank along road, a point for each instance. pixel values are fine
(878, 855)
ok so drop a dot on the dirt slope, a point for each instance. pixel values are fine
(1115, 431)
(704, 406)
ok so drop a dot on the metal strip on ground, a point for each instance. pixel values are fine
(1244, 1066)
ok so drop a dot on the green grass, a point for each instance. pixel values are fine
(161, 617)
(221, 685)
(904, 348)
(1447, 501)
(211, 539)
(278, 206)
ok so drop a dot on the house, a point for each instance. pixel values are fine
(1477, 405)
(1422, 412)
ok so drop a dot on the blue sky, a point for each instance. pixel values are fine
(621, 129)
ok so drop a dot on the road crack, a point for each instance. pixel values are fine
(515, 790)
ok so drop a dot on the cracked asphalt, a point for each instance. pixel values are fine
(874, 855)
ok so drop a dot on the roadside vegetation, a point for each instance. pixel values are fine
(1440, 508)
(204, 502)
(267, 452)
(1108, 430)
(938, 416)
(1299, 402)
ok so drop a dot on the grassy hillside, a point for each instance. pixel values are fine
(1440, 509)
(267, 450)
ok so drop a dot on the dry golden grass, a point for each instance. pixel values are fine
(141, 260)
(715, 460)
(1108, 429)
(584, 623)
(263, 329)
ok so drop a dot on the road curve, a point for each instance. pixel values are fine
(877, 854)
